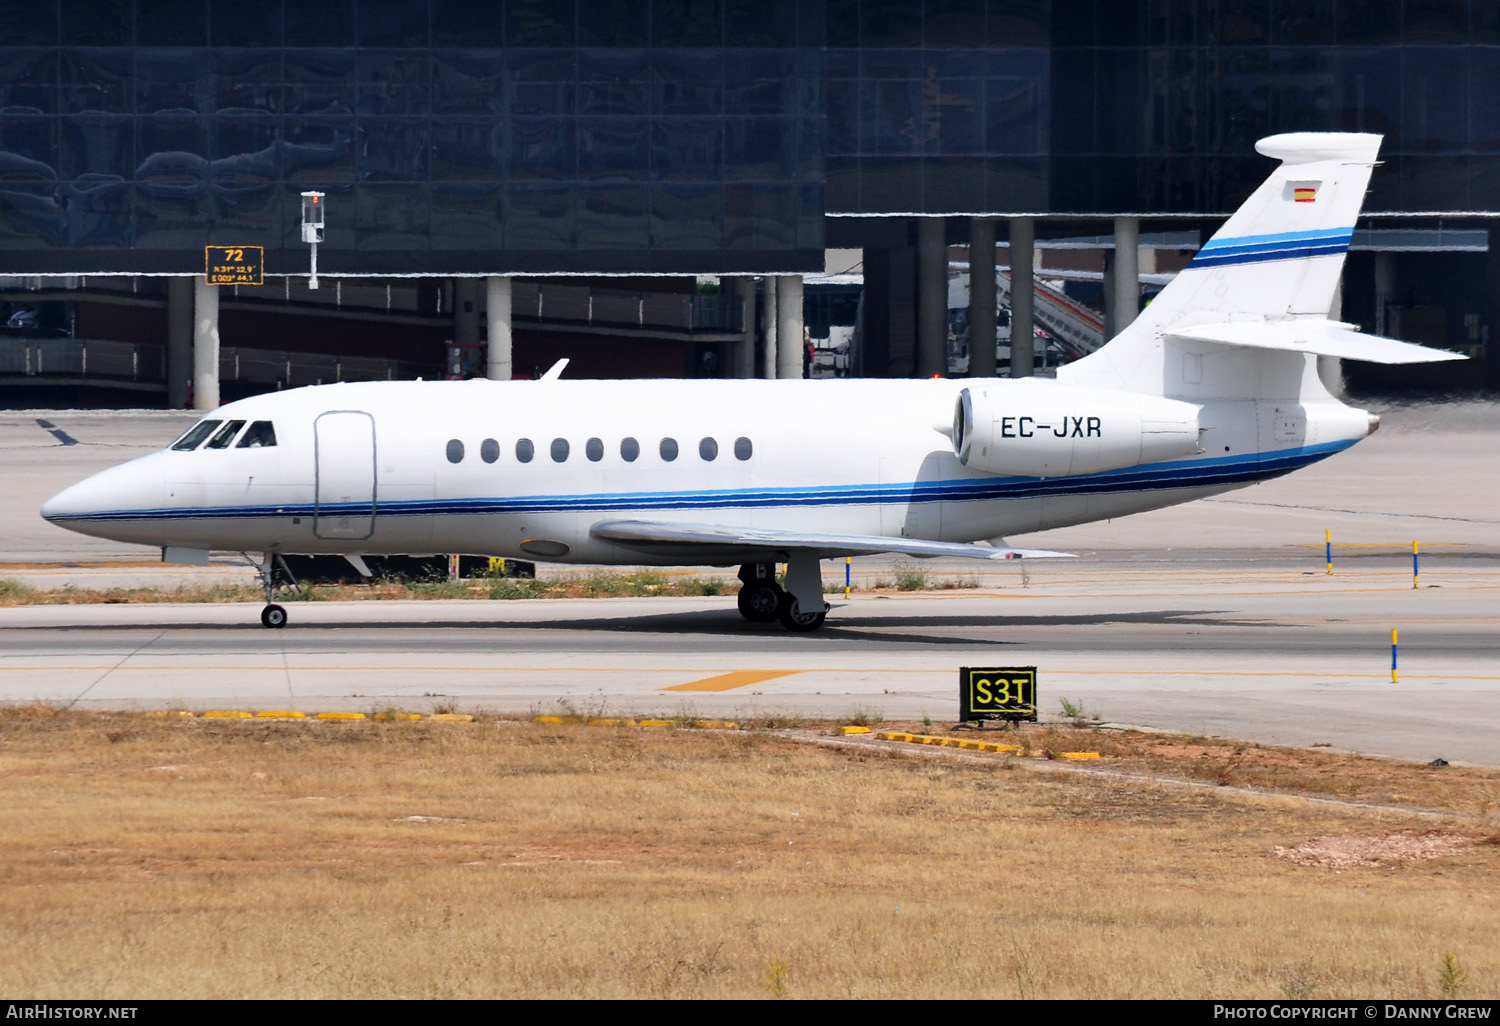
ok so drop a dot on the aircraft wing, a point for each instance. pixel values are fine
(713, 538)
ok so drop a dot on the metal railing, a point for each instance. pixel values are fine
(104, 361)
(580, 304)
(82, 358)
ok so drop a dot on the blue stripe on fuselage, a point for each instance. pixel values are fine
(1150, 477)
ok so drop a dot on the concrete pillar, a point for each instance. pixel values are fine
(1022, 297)
(497, 311)
(768, 322)
(932, 299)
(1331, 368)
(744, 351)
(789, 349)
(982, 298)
(1127, 273)
(1385, 289)
(901, 313)
(205, 345)
(466, 311)
(179, 342)
(875, 310)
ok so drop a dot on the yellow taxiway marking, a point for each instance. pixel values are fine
(730, 681)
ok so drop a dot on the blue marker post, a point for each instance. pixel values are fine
(1416, 571)
(1328, 547)
(847, 560)
(1393, 655)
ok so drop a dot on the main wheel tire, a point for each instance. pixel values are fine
(760, 603)
(273, 616)
(801, 623)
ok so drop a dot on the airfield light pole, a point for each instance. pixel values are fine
(312, 229)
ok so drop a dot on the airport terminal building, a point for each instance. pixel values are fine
(654, 187)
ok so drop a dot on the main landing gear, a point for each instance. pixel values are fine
(274, 573)
(799, 606)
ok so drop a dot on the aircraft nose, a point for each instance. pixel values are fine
(114, 503)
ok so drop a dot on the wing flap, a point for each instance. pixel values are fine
(650, 533)
(1319, 337)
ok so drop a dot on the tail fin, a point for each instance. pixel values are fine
(1277, 258)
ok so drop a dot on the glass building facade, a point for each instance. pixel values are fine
(679, 136)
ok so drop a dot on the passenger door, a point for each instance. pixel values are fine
(344, 494)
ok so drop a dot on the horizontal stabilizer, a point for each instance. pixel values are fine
(661, 533)
(1321, 338)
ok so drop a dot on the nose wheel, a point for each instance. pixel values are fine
(274, 574)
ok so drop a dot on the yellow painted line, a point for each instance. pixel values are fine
(280, 714)
(1080, 755)
(716, 724)
(611, 723)
(452, 717)
(217, 714)
(653, 723)
(546, 719)
(398, 716)
(340, 716)
(856, 730)
(730, 681)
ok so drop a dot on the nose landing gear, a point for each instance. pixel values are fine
(274, 573)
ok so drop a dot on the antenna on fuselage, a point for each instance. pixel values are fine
(555, 371)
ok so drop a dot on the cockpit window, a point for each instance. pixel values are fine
(225, 435)
(195, 435)
(261, 435)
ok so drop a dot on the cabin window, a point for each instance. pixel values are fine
(524, 450)
(708, 449)
(630, 449)
(225, 435)
(489, 450)
(742, 448)
(261, 435)
(455, 451)
(559, 450)
(668, 449)
(594, 450)
(195, 435)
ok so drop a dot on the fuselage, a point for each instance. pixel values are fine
(524, 469)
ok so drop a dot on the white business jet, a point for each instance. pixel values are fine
(1214, 387)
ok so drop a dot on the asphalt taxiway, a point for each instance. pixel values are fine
(1212, 618)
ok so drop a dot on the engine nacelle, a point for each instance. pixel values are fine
(1034, 428)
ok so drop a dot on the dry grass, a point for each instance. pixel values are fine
(1463, 791)
(590, 584)
(163, 858)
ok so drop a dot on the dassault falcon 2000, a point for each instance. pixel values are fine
(1214, 387)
